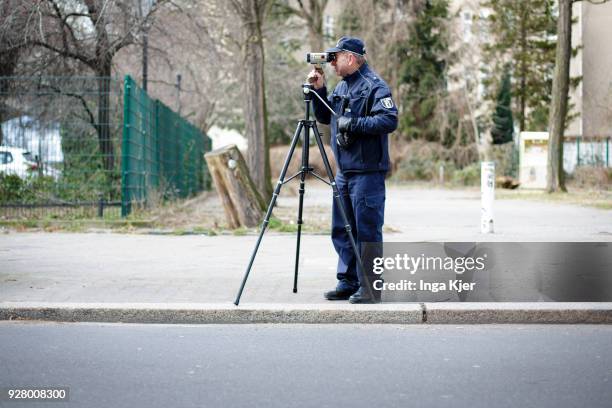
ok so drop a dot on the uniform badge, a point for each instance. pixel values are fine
(387, 102)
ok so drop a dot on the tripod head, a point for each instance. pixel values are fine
(307, 90)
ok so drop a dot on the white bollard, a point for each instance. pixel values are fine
(487, 196)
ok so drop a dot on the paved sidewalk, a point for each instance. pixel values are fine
(151, 269)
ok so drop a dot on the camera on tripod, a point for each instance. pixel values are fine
(318, 58)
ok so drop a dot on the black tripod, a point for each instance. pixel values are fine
(306, 124)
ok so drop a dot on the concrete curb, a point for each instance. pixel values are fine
(391, 313)
(541, 312)
(202, 313)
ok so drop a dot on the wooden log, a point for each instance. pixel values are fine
(244, 206)
(506, 182)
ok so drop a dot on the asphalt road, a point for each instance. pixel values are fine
(120, 365)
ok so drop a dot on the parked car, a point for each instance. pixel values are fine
(18, 161)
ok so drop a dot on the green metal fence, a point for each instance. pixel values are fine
(62, 154)
(60, 150)
(161, 151)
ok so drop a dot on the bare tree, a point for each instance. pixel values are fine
(382, 24)
(251, 14)
(187, 39)
(8, 62)
(558, 112)
(311, 12)
(466, 44)
(218, 47)
(89, 32)
(12, 16)
(561, 82)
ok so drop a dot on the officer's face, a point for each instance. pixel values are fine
(342, 63)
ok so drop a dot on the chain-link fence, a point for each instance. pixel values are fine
(62, 153)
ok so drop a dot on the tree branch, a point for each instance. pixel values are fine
(292, 10)
(90, 62)
(92, 119)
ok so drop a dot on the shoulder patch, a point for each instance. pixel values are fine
(387, 102)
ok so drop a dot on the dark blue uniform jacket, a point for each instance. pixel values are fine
(369, 100)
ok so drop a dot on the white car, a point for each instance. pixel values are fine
(18, 161)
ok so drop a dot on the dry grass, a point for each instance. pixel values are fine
(589, 177)
(203, 211)
(205, 214)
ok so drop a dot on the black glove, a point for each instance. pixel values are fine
(344, 124)
(344, 138)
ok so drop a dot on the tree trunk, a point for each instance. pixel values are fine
(255, 114)
(102, 65)
(558, 112)
(103, 127)
(523, 86)
(8, 62)
(241, 201)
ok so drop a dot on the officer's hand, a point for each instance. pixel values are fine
(316, 78)
(344, 140)
(344, 137)
(344, 124)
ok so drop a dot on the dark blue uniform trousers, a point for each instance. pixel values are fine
(363, 197)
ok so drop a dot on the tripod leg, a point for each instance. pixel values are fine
(305, 169)
(299, 233)
(266, 220)
(347, 225)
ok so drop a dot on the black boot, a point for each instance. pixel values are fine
(343, 290)
(338, 294)
(361, 296)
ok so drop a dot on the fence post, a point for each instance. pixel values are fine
(145, 169)
(207, 146)
(125, 149)
(101, 206)
(156, 155)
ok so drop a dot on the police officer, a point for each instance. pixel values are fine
(359, 140)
